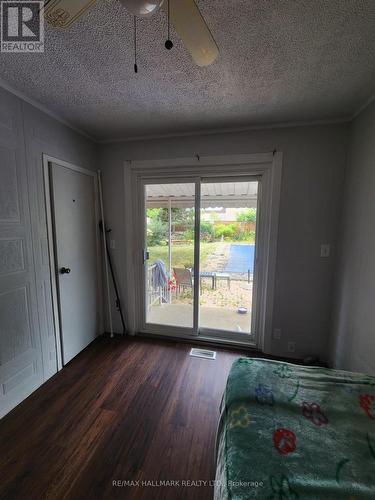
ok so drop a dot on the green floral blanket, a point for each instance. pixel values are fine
(292, 432)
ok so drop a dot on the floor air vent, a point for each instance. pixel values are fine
(202, 353)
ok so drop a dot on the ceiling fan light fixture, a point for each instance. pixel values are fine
(142, 8)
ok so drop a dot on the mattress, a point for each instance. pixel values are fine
(294, 432)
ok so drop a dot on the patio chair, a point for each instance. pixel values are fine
(184, 278)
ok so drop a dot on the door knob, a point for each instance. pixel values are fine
(65, 270)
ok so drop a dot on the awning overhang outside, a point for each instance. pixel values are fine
(213, 195)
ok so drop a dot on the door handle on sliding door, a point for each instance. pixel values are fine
(64, 270)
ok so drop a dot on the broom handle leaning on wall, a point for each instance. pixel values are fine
(105, 253)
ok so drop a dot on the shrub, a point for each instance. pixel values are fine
(225, 231)
(188, 235)
(245, 236)
(248, 215)
(207, 231)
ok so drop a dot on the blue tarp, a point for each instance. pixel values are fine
(241, 259)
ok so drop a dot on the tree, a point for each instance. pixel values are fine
(157, 231)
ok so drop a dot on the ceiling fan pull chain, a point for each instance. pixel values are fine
(135, 45)
(169, 43)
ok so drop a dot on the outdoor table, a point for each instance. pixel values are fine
(222, 276)
(207, 274)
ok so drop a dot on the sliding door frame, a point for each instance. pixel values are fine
(155, 327)
(228, 335)
(264, 167)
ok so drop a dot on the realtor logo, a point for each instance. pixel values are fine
(22, 26)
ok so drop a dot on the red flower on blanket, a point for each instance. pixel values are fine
(312, 412)
(284, 441)
(367, 401)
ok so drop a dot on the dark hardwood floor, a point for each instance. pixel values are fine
(123, 410)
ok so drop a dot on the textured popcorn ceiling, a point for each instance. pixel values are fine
(280, 60)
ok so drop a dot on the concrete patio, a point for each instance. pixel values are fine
(216, 318)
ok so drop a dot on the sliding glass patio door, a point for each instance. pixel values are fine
(200, 239)
(228, 212)
(170, 251)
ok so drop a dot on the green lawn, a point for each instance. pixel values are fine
(182, 255)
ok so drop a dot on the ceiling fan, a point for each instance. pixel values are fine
(183, 14)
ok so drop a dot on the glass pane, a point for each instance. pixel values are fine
(170, 219)
(227, 249)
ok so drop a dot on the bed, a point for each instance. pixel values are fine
(294, 432)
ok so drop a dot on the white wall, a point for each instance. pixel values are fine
(27, 341)
(313, 167)
(353, 326)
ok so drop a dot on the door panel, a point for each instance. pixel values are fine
(75, 250)
(21, 367)
(227, 255)
(169, 269)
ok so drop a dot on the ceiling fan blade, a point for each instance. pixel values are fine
(142, 8)
(193, 31)
(63, 13)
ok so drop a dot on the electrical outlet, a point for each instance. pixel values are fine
(112, 244)
(291, 347)
(277, 333)
(325, 249)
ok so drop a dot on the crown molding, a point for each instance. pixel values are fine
(307, 123)
(266, 126)
(44, 109)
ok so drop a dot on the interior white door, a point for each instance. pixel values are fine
(75, 223)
